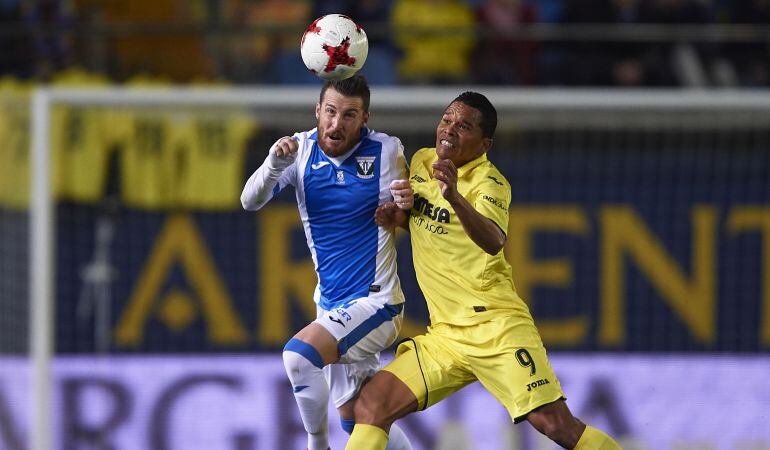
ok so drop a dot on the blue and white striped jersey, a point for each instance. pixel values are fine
(337, 198)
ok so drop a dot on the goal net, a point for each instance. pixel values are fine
(639, 223)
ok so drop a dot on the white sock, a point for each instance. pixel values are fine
(397, 439)
(310, 391)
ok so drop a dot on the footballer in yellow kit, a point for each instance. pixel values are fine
(479, 327)
(463, 286)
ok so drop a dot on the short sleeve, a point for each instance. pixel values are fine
(493, 197)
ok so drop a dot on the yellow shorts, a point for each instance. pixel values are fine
(505, 354)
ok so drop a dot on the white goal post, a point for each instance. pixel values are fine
(394, 110)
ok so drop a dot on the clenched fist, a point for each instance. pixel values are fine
(283, 153)
(286, 147)
(402, 194)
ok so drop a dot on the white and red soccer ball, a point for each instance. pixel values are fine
(334, 47)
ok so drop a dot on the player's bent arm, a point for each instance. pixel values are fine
(402, 194)
(396, 212)
(482, 230)
(390, 215)
(260, 185)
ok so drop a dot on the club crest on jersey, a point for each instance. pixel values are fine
(340, 177)
(365, 166)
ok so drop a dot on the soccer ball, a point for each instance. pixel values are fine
(334, 47)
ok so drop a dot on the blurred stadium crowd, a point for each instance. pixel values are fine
(499, 42)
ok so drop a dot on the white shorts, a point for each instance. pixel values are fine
(362, 329)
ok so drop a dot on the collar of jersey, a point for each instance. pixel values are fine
(461, 171)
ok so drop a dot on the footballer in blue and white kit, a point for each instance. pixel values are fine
(341, 172)
(355, 259)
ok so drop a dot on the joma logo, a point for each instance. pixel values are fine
(536, 384)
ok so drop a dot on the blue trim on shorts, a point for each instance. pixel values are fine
(384, 314)
(348, 425)
(306, 350)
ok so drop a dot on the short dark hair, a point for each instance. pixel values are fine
(488, 112)
(355, 86)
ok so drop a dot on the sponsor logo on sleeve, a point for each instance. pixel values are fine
(497, 202)
(495, 180)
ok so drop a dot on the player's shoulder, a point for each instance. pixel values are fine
(309, 135)
(379, 135)
(423, 154)
(488, 173)
(306, 138)
(389, 143)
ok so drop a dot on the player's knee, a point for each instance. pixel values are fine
(560, 427)
(297, 354)
(553, 430)
(299, 358)
(291, 363)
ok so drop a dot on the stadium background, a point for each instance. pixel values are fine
(639, 239)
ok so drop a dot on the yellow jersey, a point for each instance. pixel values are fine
(151, 158)
(215, 146)
(81, 140)
(463, 285)
(15, 154)
(81, 143)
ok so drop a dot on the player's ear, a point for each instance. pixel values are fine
(486, 144)
(366, 117)
(317, 111)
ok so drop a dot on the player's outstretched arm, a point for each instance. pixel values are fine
(482, 230)
(259, 187)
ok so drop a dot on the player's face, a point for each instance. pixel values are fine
(459, 136)
(340, 119)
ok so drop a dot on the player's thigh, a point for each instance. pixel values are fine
(345, 380)
(513, 366)
(363, 328)
(430, 369)
(321, 340)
